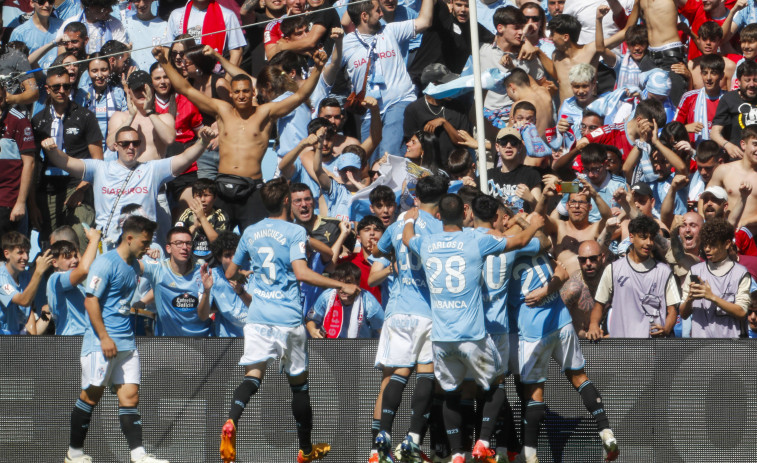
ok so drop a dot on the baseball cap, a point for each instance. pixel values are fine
(138, 80)
(346, 160)
(642, 189)
(437, 73)
(716, 191)
(512, 131)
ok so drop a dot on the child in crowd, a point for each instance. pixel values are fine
(229, 297)
(17, 287)
(340, 315)
(202, 219)
(65, 293)
(716, 292)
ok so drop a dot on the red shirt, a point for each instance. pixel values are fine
(685, 110)
(745, 244)
(613, 134)
(358, 259)
(272, 33)
(694, 12)
(18, 140)
(188, 118)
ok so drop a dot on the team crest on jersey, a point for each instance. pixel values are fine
(94, 283)
(597, 132)
(8, 289)
(302, 247)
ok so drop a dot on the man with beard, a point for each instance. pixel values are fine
(732, 176)
(568, 234)
(641, 291)
(736, 110)
(578, 291)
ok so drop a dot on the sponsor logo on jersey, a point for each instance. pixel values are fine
(7, 289)
(185, 302)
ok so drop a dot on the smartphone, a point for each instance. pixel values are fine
(568, 187)
(695, 279)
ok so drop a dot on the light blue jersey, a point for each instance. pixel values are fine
(390, 285)
(339, 200)
(34, 38)
(113, 282)
(12, 316)
(412, 296)
(535, 323)
(454, 262)
(66, 303)
(176, 299)
(232, 311)
(498, 271)
(272, 245)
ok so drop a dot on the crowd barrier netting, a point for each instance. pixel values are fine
(668, 401)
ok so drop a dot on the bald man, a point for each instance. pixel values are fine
(578, 291)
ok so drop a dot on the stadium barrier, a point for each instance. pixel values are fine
(669, 401)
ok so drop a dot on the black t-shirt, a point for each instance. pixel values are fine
(328, 19)
(734, 114)
(326, 230)
(446, 41)
(253, 56)
(503, 184)
(419, 112)
(80, 129)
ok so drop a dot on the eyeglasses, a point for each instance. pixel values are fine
(590, 128)
(57, 87)
(594, 258)
(535, 19)
(577, 203)
(181, 244)
(126, 143)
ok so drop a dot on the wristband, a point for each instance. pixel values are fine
(409, 221)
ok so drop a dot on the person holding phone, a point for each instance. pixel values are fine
(716, 292)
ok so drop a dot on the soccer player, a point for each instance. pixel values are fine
(488, 215)
(65, 293)
(404, 344)
(179, 287)
(276, 249)
(453, 261)
(109, 351)
(546, 331)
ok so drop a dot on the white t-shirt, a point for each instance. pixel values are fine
(234, 38)
(107, 178)
(388, 81)
(145, 34)
(586, 13)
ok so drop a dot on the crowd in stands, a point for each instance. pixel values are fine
(624, 130)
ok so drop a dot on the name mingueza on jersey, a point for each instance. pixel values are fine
(268, 233)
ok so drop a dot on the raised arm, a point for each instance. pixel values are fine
(26, 297)
(375, 133)
(287, 105)
(79, 274)
(550, 191)
(75, 167)
(599, 37)
(425, 16)
(321, 176)
(305, 43)
(331, 70)
(181, 162)
(28, 95)
(204, 103)
(730, 28)
(678, 164)
(286, 164)
(203, 308)
(230, 68)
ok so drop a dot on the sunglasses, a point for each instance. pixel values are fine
(126, 143)
(535, 19)
(508, 139)
(44, 2)
(57, 87)
(594, 258)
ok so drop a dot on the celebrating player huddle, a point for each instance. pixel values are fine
(473, 305)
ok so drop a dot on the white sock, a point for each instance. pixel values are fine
(458, 455)
(529, 452)
(415, 437)
(485, 442)
(138, 453)
(75, 453)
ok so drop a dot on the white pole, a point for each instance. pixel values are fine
(478, 96)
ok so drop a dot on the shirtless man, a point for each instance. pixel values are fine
(157, 130)
(732, 175)
(578, 291)
(521, 87)
(565, 31)
(568, 234)
(244, 130)
(665, 47)
(710, 38)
